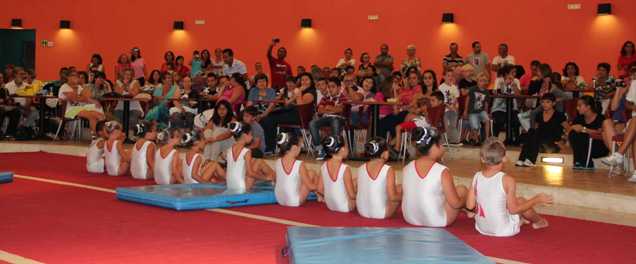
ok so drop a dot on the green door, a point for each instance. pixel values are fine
(17, 47)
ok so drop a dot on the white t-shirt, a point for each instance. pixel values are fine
(65, 88)
(237, 67)
(631, 95)
(12, 87)
(342, 62)
(451, 93)
(498, 60)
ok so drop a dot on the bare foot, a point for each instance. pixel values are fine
(541, 224)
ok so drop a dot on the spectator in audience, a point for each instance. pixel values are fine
(100, 86)
(406, 97)
(216, 133)
(349, 85)
(180, 69)
(429, 83)
(321, 88)
(218, 62)
(234, 93)
(300, 69)
(316, 72)
(34, 84)
(366, 68)
(122, 65)
(507, 84)
(206, 61)
(195, 64)
(588, 121)
(154, 80)
(476, 109)
(305, 94)
(384, 62)
(168, 64)
(96, 63)
(572, 79)
(233, 65)
(545, 133)
(532, 76)
(502, 59)
(451, 94)
(138, 65)
(330, 113)
(368, 92)
(478, 59)
(452, 59)
(162, 96)
(411, 60)
(8, 110)
(347, 60)
(618, 118)
(626, 58)
(261, 92)
(185, 107)
(19, 86)
(79, 103)
(257, 146)
(278, 66)
(128, 86)
(467, 78)
(604, 85)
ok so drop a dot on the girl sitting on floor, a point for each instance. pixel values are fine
(293, 180)
(167, 169)
(242, 169)
(195, 168)
(116, 157)
(95, 154)
(430, 197)
(493, 195)
(143, 152)
(336, 182)
(378, 195)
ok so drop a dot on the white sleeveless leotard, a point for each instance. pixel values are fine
(163, 167)
(372, 197)
(189, 168)
(336, 196)
(287, 189)
(423, 199)
(95, 157)
(112, 159)
(139, 163)
(492, 217)
(236, 169)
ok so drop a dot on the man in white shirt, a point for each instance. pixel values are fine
(478, 59)
(233, 65)
(451, 93)
(503, 58)
(16, 85)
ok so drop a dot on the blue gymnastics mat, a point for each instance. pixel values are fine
(6, 177)
(198, 196)
(367, 245)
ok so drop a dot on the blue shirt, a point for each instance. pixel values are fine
(253, 95)
(196, 68)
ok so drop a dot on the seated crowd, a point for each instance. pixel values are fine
(540, 109)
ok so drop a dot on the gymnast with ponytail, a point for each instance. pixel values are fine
(336, 181)
(293, 181)
(378, 194)
(429, 196)
(242, 169)
(167, 168)
(143, 152)
(195, 168)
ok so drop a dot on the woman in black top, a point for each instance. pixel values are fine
(587, 122)
(547, 129)
(289, 115)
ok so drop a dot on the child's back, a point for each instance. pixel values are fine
(288, 183)
(162, 170)
(139, 165)
(112, 158)
(492, 215)
(95, 156)
(236, 169)
(335, 190)
(423, 198)
(189, 162)
(372, 197)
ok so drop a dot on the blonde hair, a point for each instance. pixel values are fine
(492, 152)
(483, 75)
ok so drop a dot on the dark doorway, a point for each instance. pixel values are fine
(17, 47)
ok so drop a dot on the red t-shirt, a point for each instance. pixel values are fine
(436, 116)
(624, 62)
(280, 70)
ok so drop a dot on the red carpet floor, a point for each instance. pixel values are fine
(61, 224)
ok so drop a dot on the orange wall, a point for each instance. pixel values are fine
(542, 29)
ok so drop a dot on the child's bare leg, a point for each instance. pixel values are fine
(451, 213)
(532, 216)
(391, 207)
(608, 132)
(262, 171)
(212, 172)
(123, 168)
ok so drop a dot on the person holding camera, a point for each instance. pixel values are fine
(279, 67)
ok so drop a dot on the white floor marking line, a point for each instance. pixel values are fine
(15, 259)
(222, 211)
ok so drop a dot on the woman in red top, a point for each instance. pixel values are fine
(168, 64)
(123, 64)
(180, 68)
(627, 58)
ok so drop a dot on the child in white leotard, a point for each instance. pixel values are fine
(143, 152)
(95, 154)
(336, 183)
(116, 158)
(498, 210)
(293, 180)
(378, 195)
(429, 196)
(195, 168)
(167, 168)
(242, 169)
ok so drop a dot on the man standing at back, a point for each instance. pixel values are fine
(384, 62)
(232, 65)
(478, 59)
(278, 66)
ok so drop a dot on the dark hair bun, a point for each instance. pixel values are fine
(285, 141)
(189, 138)
(375, 147)
(424, 137)
(236, 128)
(332, 144)
(283, 138)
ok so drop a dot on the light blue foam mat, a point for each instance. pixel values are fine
(198, 196)
(368, 245)
(6, 177)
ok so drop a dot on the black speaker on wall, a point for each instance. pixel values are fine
(305, 23)
(448, 18)
(604, 9)
(16, 22)
(178, 25)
